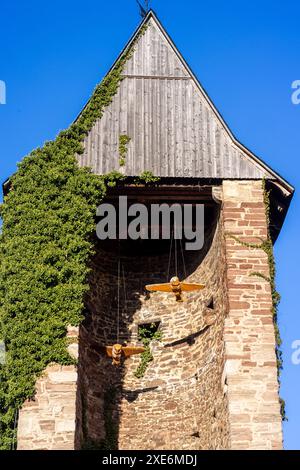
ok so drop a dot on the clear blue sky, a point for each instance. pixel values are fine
(246, 55)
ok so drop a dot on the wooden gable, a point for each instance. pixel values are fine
(174, 128)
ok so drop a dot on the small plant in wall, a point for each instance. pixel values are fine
(123, 148)
(146, 334)
(146, 177)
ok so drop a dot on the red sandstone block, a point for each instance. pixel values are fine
(266, 321)
(235, 285)
(261, 312)
(231, 204)
(239, 305)
(243, 223)
(233, 210)
(240, 418)
(237, 356)
(258, 217)
(265, 418)
(246, 253)
(263, 232)
(258, 223)
(263, 304)
(253, 240)
(270, 396)
(47, 424)
(242, 434)
(234, 272)
(236, 445)
(171, 405)
(239, 295)
(258, 210)
(276, 445)
(253, 205)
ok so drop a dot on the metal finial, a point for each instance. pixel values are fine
(143, 8)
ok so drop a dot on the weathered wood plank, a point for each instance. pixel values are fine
(173, 129)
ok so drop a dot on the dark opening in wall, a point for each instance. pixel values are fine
(118, 401)
(148, 330)
(210, 303)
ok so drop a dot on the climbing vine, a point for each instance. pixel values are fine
(146, 334)
(123, 148)
(113, 178)
(267, 246)
(45, 247)
(146, 177)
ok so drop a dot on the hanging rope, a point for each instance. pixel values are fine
(174, 236)
(170, 254)
(183, 261)
(124, 286)
(175, 241)
(118, 314)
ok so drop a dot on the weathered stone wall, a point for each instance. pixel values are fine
(208, 387)
(180, 403)
(254, 411)
(48, 421)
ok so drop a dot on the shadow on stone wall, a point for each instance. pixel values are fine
(112, 404)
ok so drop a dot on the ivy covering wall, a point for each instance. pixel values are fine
(45, 246)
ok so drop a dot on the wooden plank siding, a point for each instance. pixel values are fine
(173, 129)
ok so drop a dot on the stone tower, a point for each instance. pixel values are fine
(210, 385)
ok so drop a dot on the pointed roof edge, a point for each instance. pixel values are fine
(284, 184)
